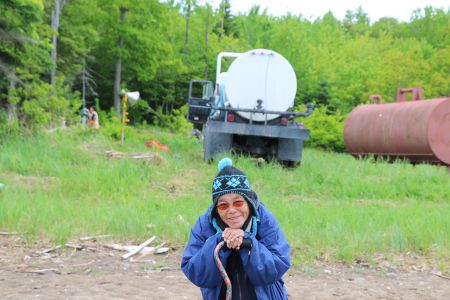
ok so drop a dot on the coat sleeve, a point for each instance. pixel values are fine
(269, 257)
(198, 258)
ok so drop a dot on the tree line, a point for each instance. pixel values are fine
(58, 55)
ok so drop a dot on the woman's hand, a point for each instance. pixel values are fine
(233, 238)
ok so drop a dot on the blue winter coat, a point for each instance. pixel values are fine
(265, 263)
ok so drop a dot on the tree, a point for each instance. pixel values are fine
(59, 4)
(140, 41)
(186, 31)
(118, 71)
(77, 37)
(226, 25)
(255, 28)
(356, 23)
(21, 50)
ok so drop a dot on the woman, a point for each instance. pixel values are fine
(236, 214)
(93, 118)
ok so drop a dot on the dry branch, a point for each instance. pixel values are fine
(162, 250)
(43, 271)
(83, 265)
(112, 154)
(94, 237)
(139, 248)
(440, 275)
(75, 246)
(130, 248)
(51, 249)
(9, 233)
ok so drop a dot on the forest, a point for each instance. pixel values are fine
(58, 55)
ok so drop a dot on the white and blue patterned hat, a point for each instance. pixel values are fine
(231, 180)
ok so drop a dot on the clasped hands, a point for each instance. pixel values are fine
(233, 238)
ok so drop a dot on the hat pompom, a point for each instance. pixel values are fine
(224, 162)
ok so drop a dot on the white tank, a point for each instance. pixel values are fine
(260, 75)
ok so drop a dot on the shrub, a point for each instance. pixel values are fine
(138, 112)
(8, 128)
(176, 122)
(110, 123)
(326, 128)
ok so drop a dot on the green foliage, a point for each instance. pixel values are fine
(255, 28)
(338, 63)
(176, 121)
(138, 112)
(24, 53)
(8, 128)
(326, 128)
(110, 123)
(42, 107)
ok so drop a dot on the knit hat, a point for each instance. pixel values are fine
(231, 180)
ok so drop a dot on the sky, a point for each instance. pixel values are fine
(312, 9)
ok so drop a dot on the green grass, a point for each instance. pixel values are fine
(61, 186)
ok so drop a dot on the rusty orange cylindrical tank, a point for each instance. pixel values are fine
(418, 131)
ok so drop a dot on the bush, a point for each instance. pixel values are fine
(176, 122)
(41, 106)
(138, 112)
(326, 128)
(10, 128)
(110, 123)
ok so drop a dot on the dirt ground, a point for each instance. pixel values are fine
(91, 270)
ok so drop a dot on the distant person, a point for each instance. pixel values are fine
(93, 118)
(84, 116)
(255, 268)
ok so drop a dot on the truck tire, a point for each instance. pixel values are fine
(290, 164)
(289, 151)
(215, 143)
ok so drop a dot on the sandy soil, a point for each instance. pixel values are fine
(94, 271)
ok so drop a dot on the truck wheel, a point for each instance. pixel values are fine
(290, 164)
(215, 143)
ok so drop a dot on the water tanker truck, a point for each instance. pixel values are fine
(250, 108)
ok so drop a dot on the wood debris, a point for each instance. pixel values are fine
(94, 237)
(44, 271)
(129, 248)
(83, 265)
(51, 249)
(162, 250)
(75, 246)
(439, 274)
(9, 233)
(142, 249)
(112, 154)
(145, 250)
(139, 248)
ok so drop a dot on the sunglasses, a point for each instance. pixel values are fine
(225, 206)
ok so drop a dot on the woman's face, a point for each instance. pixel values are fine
(233, 210)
